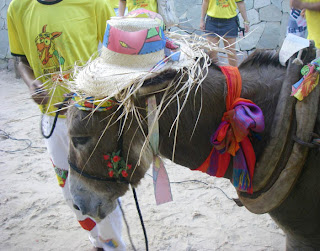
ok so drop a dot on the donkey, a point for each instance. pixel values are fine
(267, 84)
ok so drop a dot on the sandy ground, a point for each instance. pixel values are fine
(33, 215)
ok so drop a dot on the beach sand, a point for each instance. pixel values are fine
(34, 215)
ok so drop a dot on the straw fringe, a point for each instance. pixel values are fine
(194, 48)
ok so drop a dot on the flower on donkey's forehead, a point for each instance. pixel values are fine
(116, 158)
(116, 165)
(124, 173)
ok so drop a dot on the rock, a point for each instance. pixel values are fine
(270, 14)
(270, 37)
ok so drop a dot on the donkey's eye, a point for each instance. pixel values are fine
(79, 140)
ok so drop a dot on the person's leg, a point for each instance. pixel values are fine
(212, 28)
(58, 145)
(318, 53)
(230, 44)
(109, 233)
(214, 54)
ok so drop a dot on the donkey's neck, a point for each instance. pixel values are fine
(191, 146)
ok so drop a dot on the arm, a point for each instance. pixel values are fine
(204, 9)
(243, 12)
(122, 7)
(309, 6)
(38, 93)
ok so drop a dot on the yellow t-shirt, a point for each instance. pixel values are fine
(114, 3)
(55, 35)
(222, 8)
(313, 22)
(145, 4)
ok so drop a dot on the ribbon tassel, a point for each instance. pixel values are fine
(161, 183)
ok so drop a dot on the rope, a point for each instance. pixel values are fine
(7, 136)
(199, 181)
(53, 125)
(127, 226)
(141, 219)
(55, 119)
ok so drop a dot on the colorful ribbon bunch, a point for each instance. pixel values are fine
(308, 82)
(231, 137)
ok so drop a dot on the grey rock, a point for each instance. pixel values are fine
(277, 3)
(283, 28)
(286, 6)
(270, 13)
(270, 36)
(2, 25)
(261, 3)
(4, 43)
(253, 37)
(3, 12)
(253, 16)
(249, 4)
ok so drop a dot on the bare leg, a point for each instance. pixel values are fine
(214, 54)
(230, 44)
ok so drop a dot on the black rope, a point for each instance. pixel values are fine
(55, 119)
(141, 219)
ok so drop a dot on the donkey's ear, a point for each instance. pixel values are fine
(157, 83)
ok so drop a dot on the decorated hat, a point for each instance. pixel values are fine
(135, 48)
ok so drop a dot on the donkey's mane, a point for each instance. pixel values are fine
(262, 58)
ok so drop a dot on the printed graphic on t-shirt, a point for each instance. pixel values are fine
(50, 58)
(141, 3)
(222, 3)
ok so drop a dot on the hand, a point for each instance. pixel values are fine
(297, 4)
(65, 104)
(38, 93)
(202, 25)
(246, 28)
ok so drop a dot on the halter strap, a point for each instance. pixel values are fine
(92, 177)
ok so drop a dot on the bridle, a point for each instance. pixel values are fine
(92, 177)
(120, 180)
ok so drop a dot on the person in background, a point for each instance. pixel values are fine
(133, 5)
(312, 8)
(297, 24)
(219, 18)
(46, 37)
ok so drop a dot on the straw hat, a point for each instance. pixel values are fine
(134, 49)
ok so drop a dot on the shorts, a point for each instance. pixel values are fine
(224, 27)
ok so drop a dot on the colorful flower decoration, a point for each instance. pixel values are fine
(116, 165)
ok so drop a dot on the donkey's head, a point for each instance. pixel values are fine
(109, 151)
(102, 162)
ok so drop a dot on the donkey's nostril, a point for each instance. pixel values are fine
(76, 207)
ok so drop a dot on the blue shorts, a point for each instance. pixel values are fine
(224, 27)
